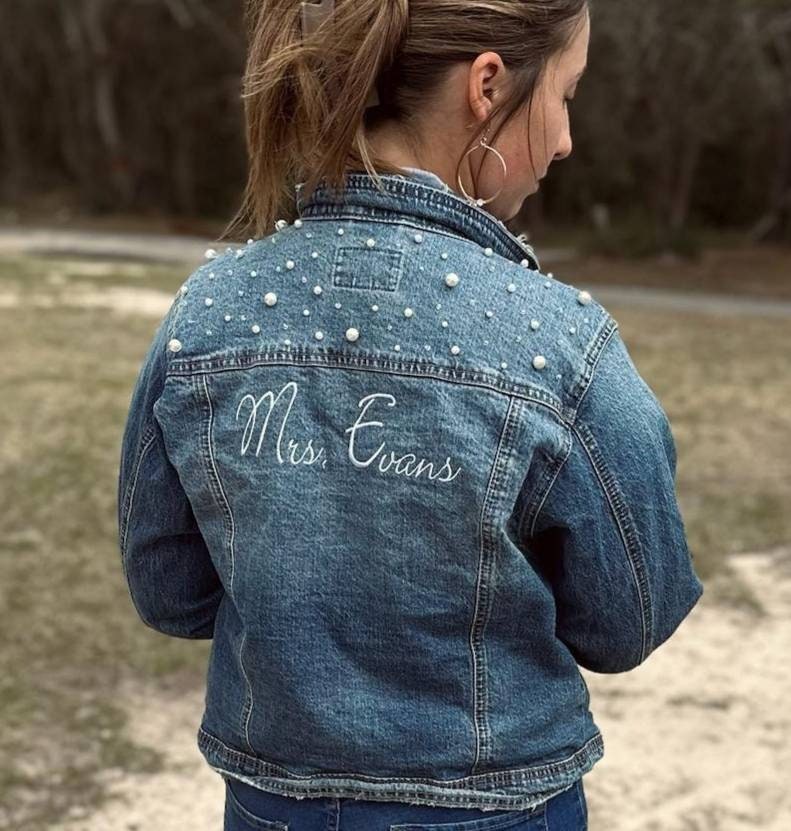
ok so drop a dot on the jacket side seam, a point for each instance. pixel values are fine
(483, 596)
(247, 709)
(147, 442)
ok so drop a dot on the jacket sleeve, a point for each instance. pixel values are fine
(171, 578)
(609, 537)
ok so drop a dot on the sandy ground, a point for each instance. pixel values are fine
(697, 738)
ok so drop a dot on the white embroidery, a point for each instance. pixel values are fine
(401, 462)
(312, 455)
(300, 452)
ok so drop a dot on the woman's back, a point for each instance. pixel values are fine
(407, 482)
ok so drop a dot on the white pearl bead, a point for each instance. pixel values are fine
(281, 224)
(208, 301)
(227, 318)
(504, 365)
(239, 253)
(184, 289)
(547, 284)
(210, 254)
(489, 313)
(534, 324)
(297, 223)
(317, 289)
(488, 252)
(584, 298)
(452, 280)
(337, 305)
(306, 312)
(525, 263)
(289, 264)
(340, 232)
(315, 254)
(270, 298)
(370, 242)
(511, 287)
(319, 335)
(287, 342)
(256, 328)
(539, 362)
(444, 255)
(418, 237)
(455, 349)
(174, 345)
(352, 334)
(444, 324)
(572, 330)
(374, 308)
(397, 348)
(408, 312)
(550, 274)
(254, 274)
(250, 242)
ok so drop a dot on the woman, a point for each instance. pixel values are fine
(406, 482)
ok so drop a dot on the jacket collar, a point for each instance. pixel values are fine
(421, 194)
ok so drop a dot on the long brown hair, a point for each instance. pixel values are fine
(305, 98)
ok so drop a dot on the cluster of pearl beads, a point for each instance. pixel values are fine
(353, 334)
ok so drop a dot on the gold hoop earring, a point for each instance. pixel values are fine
(483, 143)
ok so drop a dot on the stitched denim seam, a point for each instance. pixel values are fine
(255, 766)
(526, 393)
(224, 504)
(568, 443)
(147, 442)
(607, 330)
(626, 529)
(217, 488)
(483, 590)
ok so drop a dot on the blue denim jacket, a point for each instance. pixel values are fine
(409, 484)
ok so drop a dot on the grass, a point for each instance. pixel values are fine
(70, 631)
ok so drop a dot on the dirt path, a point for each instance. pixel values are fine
(696, 739)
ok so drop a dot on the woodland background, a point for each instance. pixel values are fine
(683, 120)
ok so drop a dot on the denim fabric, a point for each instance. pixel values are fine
(408, 484)
(248, 808)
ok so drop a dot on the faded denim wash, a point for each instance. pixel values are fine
(409, 484)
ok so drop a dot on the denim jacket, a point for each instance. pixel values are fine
(408, 484)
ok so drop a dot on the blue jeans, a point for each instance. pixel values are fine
(250, 809)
